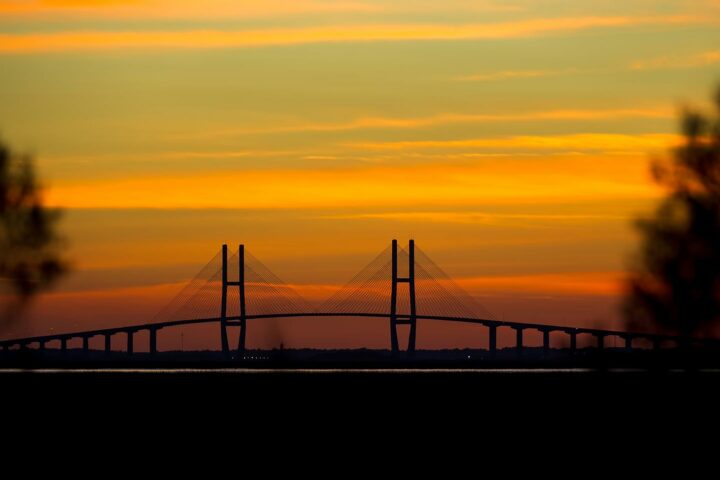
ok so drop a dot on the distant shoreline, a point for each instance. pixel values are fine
(529, 358)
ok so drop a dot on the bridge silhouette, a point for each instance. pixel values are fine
(402, 285)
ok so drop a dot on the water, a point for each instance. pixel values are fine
(322, 371)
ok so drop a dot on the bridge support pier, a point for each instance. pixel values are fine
(546, 342)
(628, 343)
(242, 320)
(130, 342)
(86, 344)
(241, 287)
(41, 345)
(492, 340)
(413, 306)
(573, 341)
(223, 303)
(108, 343)
(600, 341)
(153, 341)
(63, 345)
(519, 340)
(411, 319)
(393, 301)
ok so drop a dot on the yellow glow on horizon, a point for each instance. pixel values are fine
(507, 182)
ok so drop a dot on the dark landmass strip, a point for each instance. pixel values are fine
(308, 358)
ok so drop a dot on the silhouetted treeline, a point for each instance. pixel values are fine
(30, 246)
(675, 283)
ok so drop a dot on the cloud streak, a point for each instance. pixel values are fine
(474, 217)
(447, 119)
(571, 283)
(701, 59)
(579, 142)
(209, 39)
(510, 74)
(175, 9)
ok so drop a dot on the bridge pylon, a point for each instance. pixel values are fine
(240, 320)
(403, 319)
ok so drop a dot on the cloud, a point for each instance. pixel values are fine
(445, 119)
(175, 9)
(172, 155)
(204, 39)
(579, 142)
(439, 184)
(508, 74)
(570, 283)
(473, 217)
(239, 8)
(667, 62)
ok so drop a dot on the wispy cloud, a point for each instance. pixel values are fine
(570, 283)
(203, 39)
(510, 74)
(580, 142)
(225, 154)
(176, 9)
(237, 8)
(474, 217)
(172, 155)
(447, 118)
(690, 61)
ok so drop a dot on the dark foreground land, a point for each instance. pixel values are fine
(476, 400)
(359, 414)
(465, 386)
(469, 390)
(384, 411)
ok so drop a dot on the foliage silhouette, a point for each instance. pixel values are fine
(675, 281)
(30, 246)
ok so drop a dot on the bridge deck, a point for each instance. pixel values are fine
(130, 329)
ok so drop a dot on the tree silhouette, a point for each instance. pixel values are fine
(675, 282)
(29, 243)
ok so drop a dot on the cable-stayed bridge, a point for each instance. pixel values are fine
(402, 284)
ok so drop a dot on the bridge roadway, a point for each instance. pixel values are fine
(492, 326)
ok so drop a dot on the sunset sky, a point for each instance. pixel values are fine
(510, 139)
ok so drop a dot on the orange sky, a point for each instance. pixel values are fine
(510, 140)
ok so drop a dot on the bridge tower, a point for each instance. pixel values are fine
(395, 318)
(240, 321)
